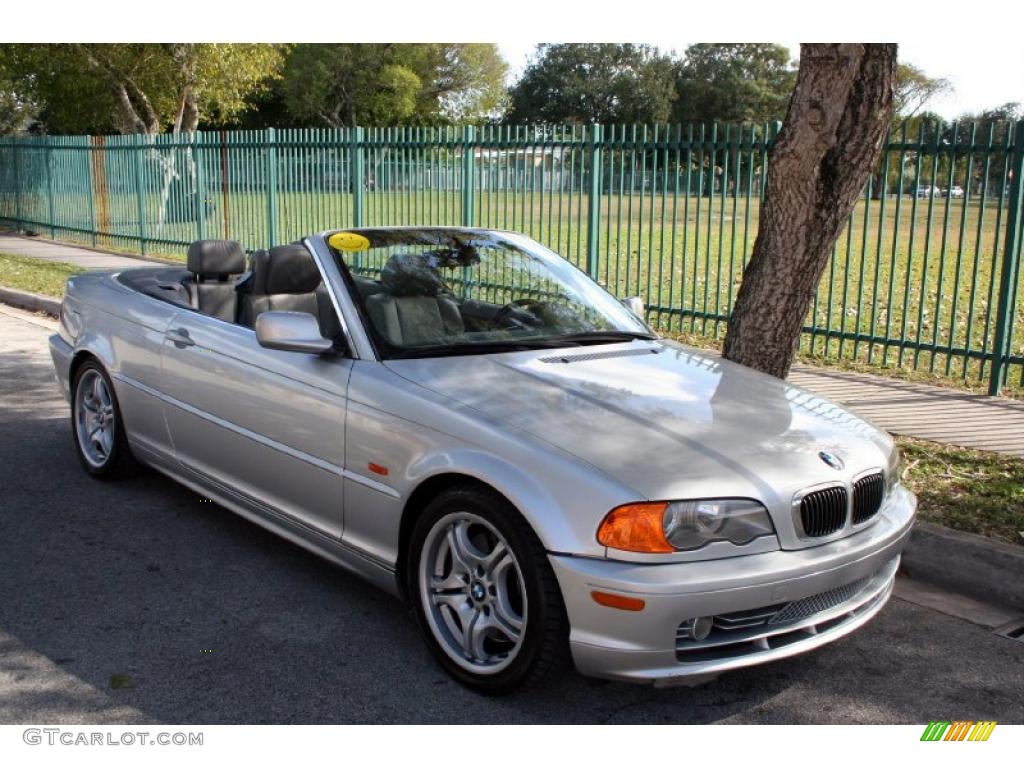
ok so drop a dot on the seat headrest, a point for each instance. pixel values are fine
(284, 269)
(411, 274)
(216, 257)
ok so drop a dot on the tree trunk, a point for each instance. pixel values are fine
(187, 118)
(829, 142)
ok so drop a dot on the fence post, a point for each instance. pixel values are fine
(468, 136)
(49, 190)
(1007, 278)
(92, 187)
(200, 190)
(140, 202)
(17, 186)
(270, 140)
(594, 202)
(357, 172)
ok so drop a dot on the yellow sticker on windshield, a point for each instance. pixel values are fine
(348, 241)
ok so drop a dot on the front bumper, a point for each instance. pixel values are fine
(803, 599)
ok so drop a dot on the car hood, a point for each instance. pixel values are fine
(665, 420)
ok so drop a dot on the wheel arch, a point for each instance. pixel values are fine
(429, 489)
(92, 345)
(77, 361)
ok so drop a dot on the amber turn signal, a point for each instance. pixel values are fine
(636, 528)
(621, 602)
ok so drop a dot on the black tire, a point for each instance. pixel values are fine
(544, 647)
(118, 462)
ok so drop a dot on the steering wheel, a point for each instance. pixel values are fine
(506, 313)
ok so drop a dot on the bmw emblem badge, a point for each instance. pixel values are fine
(831, 459)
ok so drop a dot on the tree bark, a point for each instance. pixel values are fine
(829, 142)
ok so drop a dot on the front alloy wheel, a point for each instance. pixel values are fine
(484, 593)
(472, 593)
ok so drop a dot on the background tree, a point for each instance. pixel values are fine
(17, 109)
(138, 87)
(594, 82)
(832, 135)
(914, 89)
(344, 84)
(994, 122)
(69, 96)
(734, 82)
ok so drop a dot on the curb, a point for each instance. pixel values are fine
(33, 302)
(971, 565)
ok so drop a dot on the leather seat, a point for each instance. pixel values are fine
(287, 279)
(415, 307)
(216, 265)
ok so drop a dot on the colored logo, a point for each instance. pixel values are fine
(958, 730)
(831, 459)
(348, 241)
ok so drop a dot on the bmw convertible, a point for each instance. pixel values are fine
(471, 423)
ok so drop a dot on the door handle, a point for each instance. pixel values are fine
(180, 338)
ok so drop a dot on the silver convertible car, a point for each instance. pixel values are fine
(471, 423)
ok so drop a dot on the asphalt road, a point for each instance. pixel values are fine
(213, 620)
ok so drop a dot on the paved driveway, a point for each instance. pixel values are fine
(217, 621)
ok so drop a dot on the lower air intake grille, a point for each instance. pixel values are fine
(867, 497)
(823, 512)
(808, 606)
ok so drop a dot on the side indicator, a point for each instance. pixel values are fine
(621, 602)
(377, 469)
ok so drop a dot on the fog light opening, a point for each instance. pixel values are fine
(700, 627)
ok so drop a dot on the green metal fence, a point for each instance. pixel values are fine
(926, 276)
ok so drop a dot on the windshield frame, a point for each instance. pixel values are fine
(552, 261)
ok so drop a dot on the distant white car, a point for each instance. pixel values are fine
(955, 192)
(928, 191)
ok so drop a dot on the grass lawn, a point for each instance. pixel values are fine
(904, 269)
(35, 276)
(974, 491)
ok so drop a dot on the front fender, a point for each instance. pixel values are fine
(561, 524)
(401, 433)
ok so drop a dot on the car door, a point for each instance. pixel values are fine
(268, 424)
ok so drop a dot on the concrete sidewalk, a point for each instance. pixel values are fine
(50, 250)
(922, 410)
(905, 408)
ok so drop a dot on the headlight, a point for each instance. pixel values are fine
(662, 527)
(692, 524)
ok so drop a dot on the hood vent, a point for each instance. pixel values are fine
(599, 355)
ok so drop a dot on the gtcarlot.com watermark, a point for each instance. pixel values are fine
(75, 738)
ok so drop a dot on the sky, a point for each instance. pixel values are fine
(982, 74)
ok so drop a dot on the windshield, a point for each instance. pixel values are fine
(431, 292)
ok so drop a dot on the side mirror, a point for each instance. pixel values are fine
(291, 332)
(635, 305)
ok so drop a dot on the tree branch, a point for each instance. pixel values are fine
(136, 106)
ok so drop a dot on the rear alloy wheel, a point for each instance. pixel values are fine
(96, 424)
(484, 592)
